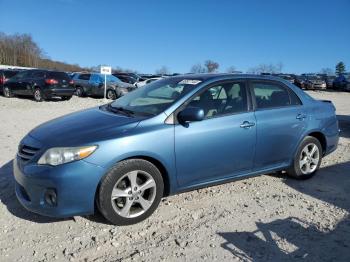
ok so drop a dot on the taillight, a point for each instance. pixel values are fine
(2, 80)
(51, 81)
(71, 82)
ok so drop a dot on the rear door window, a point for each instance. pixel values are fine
(22, 75)
(9, 74)
(270, 95)
(294, 99)
(84, 76)
(58, 75)
(38, 74)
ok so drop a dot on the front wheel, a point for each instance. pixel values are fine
(79, 92)
(130, 192)
(7, 92)
(307, 159)
(111, 94)
(66, 98)
(38, 95)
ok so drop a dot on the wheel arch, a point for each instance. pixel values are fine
(158, 164)
(321, 138)
(161, 169)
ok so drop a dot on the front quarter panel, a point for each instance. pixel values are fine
(150, 139)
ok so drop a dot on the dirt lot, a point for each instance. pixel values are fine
(267, 218)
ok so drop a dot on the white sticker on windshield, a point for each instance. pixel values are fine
(189, 82)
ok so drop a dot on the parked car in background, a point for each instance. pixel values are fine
(92, 84)
(173, 135)
(314, 82)
(126, 78)
(299, 81)
(342, 82)
(147, 81)
(329, 81)
(286, 77)
(40, 84)
(5, 75)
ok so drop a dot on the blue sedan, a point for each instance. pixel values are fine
(173, 135)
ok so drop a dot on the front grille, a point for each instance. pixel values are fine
(26, 153)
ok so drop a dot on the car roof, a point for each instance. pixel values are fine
(222, 76)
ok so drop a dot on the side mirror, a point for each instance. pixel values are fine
(191, 114)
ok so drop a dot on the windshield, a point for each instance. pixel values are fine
(155, 97)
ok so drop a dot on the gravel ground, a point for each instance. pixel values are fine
(266, 218)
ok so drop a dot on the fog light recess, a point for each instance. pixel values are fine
(50, 197)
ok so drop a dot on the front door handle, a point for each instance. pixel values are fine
(301, 116)
(247, 124)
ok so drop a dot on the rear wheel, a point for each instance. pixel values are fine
(7, 92)
(130, 192)
(38, 95)
(79, 92)
(111, 94)
(307, 159)
(66, 98)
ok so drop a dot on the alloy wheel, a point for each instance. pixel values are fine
(133, 194)
(7, 92)
(37, 95)
(79, 92)
(309, 158)
(111, 95)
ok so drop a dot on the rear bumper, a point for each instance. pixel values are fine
(331, 132)
(74, 184)
(59, 92)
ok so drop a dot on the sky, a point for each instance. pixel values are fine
(303, 35)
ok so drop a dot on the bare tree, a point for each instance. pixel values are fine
(279, 67)
(266, 68)
(231, 69)
(327, 71)
(197, 69)
(162, 71)
(211, 66)
(21, 50)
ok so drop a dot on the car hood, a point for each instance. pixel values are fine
(87, 126)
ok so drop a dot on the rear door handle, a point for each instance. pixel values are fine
(301, 116)
(247, 124)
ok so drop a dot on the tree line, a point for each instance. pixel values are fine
(22, 50)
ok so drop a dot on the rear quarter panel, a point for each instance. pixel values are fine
(321, 117)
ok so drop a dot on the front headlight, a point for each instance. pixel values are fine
(60, 155)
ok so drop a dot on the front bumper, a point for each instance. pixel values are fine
(51, 92)
(74, 183)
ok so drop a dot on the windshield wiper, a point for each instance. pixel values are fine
(121, 110)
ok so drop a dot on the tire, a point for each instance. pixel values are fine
(111, 94)
(7, 92)
(124, 208)
(79, 92)
(66, 98)
(38, 95)
(305, 163)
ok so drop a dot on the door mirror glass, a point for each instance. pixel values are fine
(191, 114)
